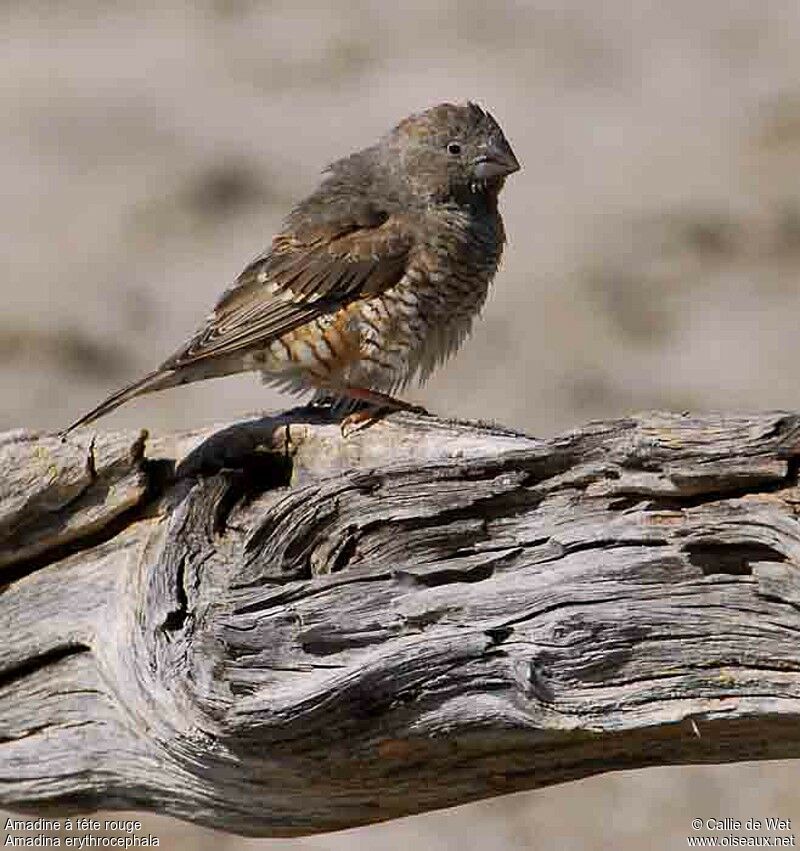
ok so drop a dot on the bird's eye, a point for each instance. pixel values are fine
(454, 148)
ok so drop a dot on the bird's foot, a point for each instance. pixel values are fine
(366, 417)
(363, 419)
(378, 404)
(382, 400)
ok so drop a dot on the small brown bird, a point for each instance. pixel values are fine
(375, 278)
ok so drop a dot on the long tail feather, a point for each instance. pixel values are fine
(158, 380)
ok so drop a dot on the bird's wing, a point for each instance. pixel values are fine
(305, 274)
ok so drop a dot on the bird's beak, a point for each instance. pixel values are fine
(496, 160)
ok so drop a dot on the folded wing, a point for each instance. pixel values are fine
(300, 278)
(306, 273)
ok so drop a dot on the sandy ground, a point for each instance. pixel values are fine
(148, 151)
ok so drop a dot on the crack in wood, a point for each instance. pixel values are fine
(734, 559)
(36, 663)
(157, 476)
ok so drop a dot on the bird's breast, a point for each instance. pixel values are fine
(414, 326)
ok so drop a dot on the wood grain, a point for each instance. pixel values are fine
(274, 630)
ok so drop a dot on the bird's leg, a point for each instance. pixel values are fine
(381, 405)
(381, 400)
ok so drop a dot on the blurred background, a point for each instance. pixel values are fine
(148, 151)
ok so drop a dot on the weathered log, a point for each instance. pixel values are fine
(272, 629)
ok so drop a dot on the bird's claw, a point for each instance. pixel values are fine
(361, 420)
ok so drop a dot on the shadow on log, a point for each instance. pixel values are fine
(273, 630)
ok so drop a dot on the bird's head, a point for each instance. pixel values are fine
(451, 153)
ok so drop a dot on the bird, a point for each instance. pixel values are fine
(373, 280)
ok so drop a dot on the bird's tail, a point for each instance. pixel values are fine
(158, 380)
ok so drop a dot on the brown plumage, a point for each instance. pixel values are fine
(374, 279)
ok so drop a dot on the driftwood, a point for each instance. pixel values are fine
(274, 630)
